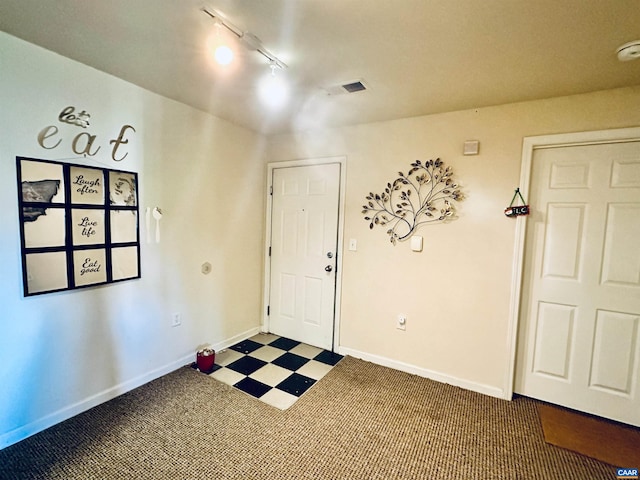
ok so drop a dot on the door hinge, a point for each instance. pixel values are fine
(268, 310)
(271, 190)
(269, 251)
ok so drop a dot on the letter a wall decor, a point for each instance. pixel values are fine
(78, 225)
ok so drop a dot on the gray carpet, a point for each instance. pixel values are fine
(361, 421)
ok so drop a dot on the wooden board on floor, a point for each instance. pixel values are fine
(595, 437)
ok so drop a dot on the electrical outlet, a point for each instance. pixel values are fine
(402, 322)
(176, 320)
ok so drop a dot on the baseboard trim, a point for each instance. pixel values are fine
(66, 413)
(423, 372)
(235, 339)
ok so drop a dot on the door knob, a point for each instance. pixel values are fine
(328, 268)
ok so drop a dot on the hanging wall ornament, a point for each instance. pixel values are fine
(517, 210)
(421, 196)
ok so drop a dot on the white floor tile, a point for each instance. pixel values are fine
(264, 338)
(306, 351)
(279, 399)
(271, 374)
(225, 357)
(267, 353)
(227, 376)
(315, 370)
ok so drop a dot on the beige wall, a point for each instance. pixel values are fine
(456, 292)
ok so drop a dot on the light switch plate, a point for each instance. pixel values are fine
(416, 243)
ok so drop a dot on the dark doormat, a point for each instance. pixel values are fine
(605, 440)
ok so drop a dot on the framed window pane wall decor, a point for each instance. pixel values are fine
(79, 225)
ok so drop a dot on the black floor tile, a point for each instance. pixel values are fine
(247, 346)
(252, 387)
(330, 358)
(290, 361)
(246, 365)
(284, 343)
(215, 367)
(296, 384)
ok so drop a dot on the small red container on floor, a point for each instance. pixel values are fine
(205, 360)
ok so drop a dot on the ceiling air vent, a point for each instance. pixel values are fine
(349, 87)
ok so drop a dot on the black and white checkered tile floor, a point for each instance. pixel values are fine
(274, 369)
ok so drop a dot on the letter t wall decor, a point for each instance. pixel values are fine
(78, 225)
(421, 196)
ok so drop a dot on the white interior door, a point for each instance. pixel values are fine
(304, 239)
(579, 338)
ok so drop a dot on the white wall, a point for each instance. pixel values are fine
(456, 292)
(61, 353)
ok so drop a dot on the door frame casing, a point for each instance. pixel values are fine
(271, 166)
(529, 146)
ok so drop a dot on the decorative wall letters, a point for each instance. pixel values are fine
(79, 225)
(83, 142)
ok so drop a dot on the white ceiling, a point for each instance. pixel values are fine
(416, 56)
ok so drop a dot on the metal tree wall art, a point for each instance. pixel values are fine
(421, 196)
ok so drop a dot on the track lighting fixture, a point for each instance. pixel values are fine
(250, 41)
